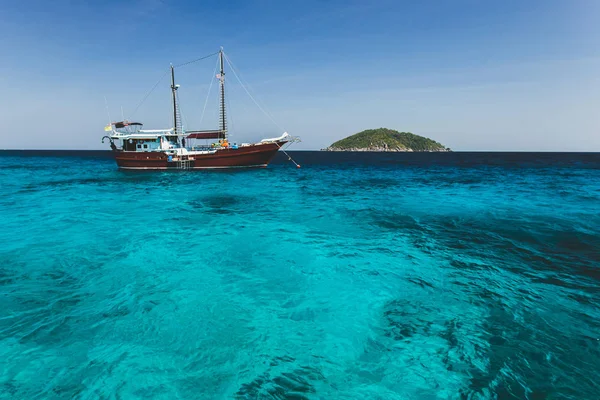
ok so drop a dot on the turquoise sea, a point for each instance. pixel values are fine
(365, 276)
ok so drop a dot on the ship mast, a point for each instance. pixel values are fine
(174, 88)
(222, 102)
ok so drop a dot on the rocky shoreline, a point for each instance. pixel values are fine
(384, 149)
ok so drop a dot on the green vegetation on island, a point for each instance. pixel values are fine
(384, 139)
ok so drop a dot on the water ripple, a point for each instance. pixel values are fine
(402, 278)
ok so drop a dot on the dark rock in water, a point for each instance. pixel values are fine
(220, 201)
(223, 204)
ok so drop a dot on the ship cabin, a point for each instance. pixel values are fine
(138, 140)
(142, 141)
(135, 139)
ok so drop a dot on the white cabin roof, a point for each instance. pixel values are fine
(145, 134)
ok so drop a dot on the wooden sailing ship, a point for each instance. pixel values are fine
(176, 148)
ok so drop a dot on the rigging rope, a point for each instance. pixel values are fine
(199, 59)
(108, 112)
(230, 118)
(212, 79)
(148, 94)
(161, 78)
(181, 113)
(255, 102)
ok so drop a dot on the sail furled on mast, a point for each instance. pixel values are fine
(122, 124)
(215, 134)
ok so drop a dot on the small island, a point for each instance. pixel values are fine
(384, 139)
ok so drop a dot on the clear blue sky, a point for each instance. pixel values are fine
(472, 74)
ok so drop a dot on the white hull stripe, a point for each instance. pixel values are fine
(183, 169)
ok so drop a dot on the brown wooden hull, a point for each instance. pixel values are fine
(255, 156)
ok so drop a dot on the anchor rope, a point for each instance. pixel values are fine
(289, 157)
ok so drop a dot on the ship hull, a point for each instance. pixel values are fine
(255, 156)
